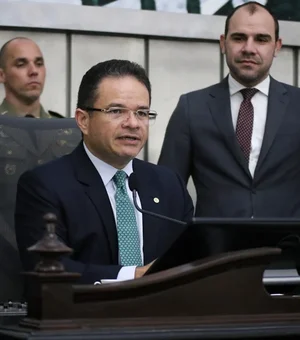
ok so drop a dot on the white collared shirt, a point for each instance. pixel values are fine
(260, 107)
(107, 173)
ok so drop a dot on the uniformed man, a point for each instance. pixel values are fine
(23, 72)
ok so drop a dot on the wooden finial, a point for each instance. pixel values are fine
(50, 248)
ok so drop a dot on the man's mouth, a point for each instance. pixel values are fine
(34, 83)
(132, 138)
(248, 62)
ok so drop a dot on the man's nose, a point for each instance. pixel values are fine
(132, 120)
(249, 46)
(32, 69)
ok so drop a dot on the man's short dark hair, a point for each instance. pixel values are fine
(252, 7)
(4, 48)
(87, 93)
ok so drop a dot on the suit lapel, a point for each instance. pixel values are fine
(148, 190)
(95, 190)
(220, 108)
(277, 105)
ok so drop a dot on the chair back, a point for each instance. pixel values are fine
(24, 144)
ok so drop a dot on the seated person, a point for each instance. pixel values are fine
(88, 190)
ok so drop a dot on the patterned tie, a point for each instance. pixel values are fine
(128, 235)
(244, 124)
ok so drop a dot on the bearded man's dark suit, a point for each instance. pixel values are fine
(71, 188)
(200, 141)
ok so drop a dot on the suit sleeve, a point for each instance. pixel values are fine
(188, 213)
(33, 201)
(176, 151)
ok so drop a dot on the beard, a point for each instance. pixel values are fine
(248, 76)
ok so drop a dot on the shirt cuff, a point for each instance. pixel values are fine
(126, 273)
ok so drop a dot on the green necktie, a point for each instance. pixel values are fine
(128, 235)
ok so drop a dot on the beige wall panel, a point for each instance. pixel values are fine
(87, 51)
(177, 67)
(53, 46)
(282, 68)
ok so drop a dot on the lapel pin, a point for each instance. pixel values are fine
(156, 200)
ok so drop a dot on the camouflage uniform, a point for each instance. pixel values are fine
(8, 110)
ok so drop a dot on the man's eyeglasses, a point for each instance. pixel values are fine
(145, 115)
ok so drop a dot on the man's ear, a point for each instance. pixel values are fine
(82, 119)
(2, 76)
(222, 43)
(278, 47)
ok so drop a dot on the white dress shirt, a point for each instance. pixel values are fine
(107, 173)
(260, 107)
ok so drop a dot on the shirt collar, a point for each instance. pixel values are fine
(235, 86)
(105, 170)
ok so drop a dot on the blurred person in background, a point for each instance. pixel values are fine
(23, 73)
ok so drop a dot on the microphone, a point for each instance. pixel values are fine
(29, 115)
(133, 185)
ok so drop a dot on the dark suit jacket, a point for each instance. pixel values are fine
(200, 141)
(71, 188)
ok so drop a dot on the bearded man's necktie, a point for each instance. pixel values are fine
(244, 124)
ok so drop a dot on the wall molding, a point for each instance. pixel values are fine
(103, 20)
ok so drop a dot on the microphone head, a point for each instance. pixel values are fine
(132, 182)
(29, 115)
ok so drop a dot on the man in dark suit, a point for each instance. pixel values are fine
(88, 189)
(239, 139)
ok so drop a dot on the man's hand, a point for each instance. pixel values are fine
(140, 271)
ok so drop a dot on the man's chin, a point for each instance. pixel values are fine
(247, 78)
(31, 98)
(129, 154)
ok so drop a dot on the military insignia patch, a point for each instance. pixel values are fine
(61, 142)
(68, 131)
(10, 169)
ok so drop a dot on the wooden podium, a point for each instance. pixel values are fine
(222, 297)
